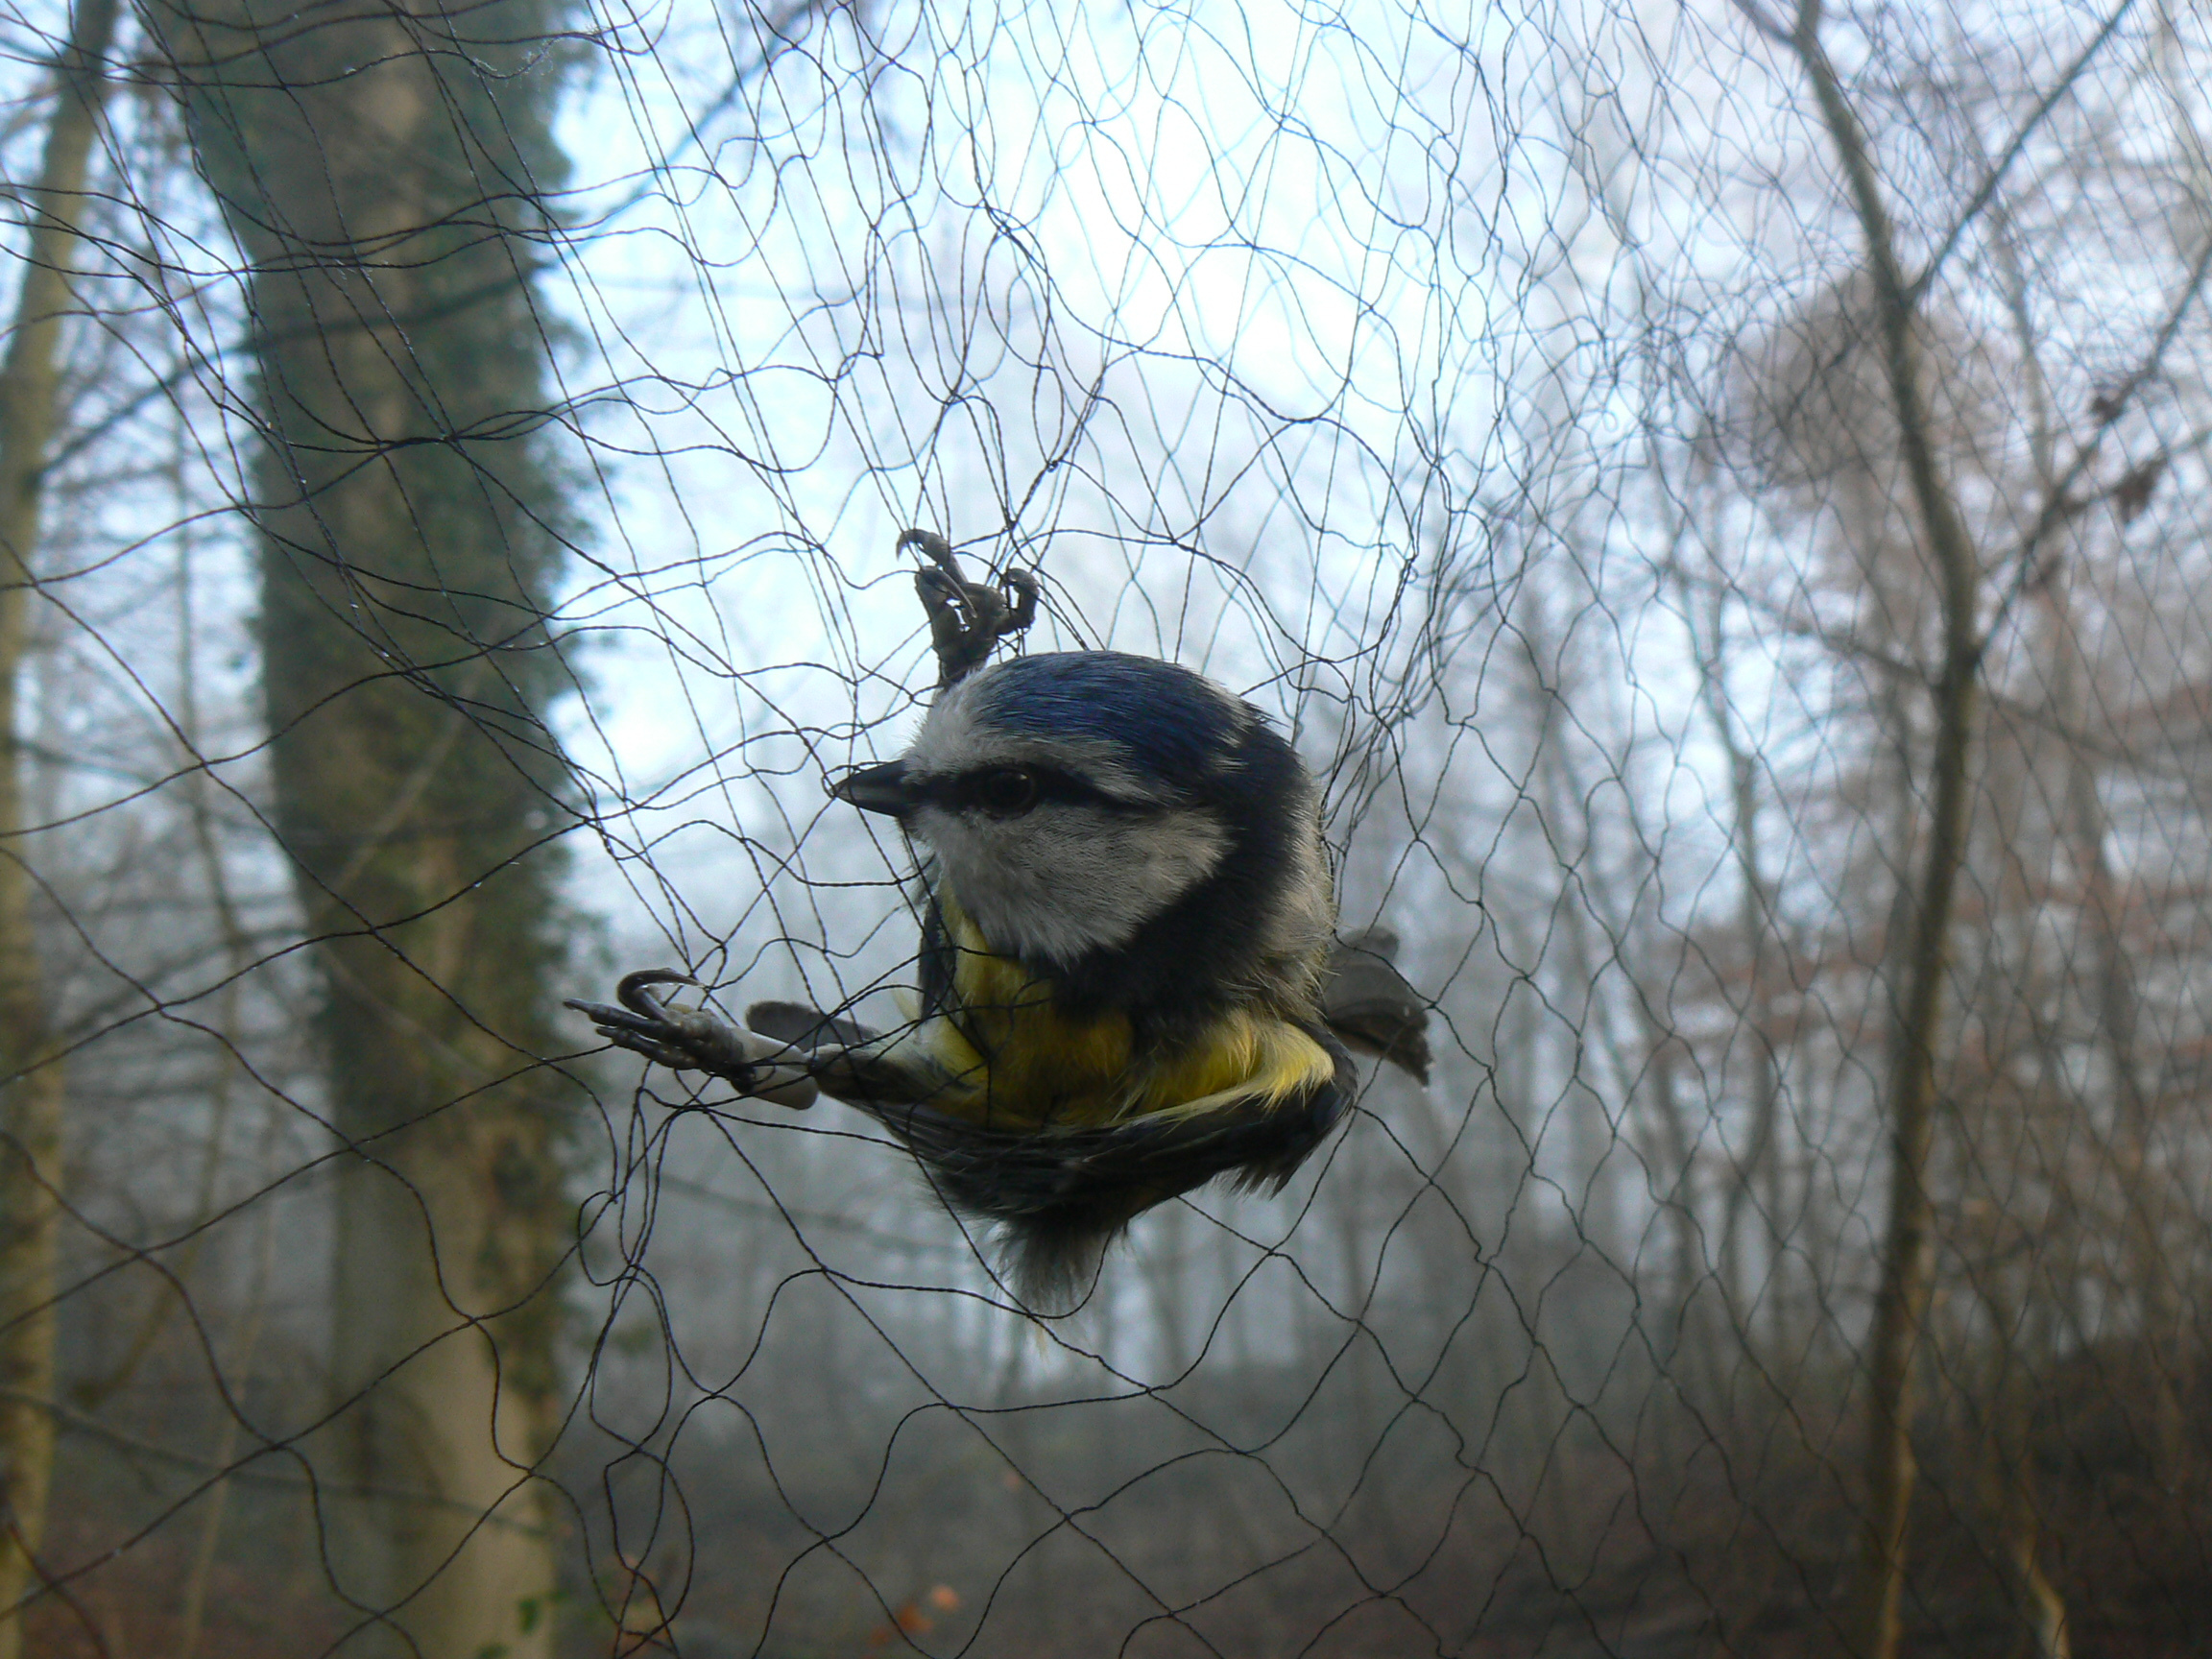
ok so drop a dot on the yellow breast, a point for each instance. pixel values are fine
(1021, 1063)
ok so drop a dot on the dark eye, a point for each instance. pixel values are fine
(1006, 791)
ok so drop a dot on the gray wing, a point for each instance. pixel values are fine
(1369, 1005)
(804, 1028)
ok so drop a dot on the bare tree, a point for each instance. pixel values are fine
(1963, 624)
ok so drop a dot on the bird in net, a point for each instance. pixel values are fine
(1131, 982)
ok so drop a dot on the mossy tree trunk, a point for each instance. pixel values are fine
(384, 169)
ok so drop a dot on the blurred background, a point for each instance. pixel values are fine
(1717, 493)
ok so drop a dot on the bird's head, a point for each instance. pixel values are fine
(1072, 798)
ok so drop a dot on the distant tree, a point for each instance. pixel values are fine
(30, 1073)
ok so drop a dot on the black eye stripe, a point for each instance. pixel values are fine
(983, 788)
(1004, 791)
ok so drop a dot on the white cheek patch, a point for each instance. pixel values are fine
(1066, 879)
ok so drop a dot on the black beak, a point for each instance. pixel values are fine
(880, 789)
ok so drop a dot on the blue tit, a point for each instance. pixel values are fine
(1130, 981)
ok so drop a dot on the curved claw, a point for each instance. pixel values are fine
(693, 1039)
(632, 994)
(967, 619)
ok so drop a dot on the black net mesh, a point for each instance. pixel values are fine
(1714, 494)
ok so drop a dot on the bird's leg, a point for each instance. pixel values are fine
(967, 619)
(886, 1074)
(870, 1069)
(693, 1039)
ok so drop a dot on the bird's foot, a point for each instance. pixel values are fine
(967, 619)
(693, 1039)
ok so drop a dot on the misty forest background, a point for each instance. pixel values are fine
(1716, 491)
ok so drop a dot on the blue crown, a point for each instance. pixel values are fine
(1169, 721)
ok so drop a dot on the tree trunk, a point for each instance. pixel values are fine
(1872, 1620)
(2110, 984)
(1762, 1157)
(31, 1110)
(387, 189)
(2038, 1610)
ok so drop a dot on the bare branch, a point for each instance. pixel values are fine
(1986, 192)
(1756, 16)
